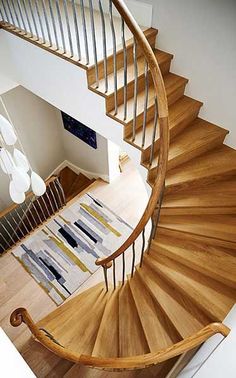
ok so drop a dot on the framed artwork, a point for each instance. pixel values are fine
(79, 130)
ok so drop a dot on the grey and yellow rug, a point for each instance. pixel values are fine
(62, 255)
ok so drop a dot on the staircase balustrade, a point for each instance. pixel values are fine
(18, 221)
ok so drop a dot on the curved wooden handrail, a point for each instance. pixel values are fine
(163, 129)
(21, 315)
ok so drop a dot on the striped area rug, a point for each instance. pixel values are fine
(62, 255)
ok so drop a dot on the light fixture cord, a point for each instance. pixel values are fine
(17, 134)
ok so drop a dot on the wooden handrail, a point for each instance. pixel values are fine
(14, 206)
(163, 129)
(21, 315)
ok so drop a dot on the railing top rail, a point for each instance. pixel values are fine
(137, 362)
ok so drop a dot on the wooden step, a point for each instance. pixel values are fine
(200, 137)
(132, 340)
(175, 87)
(180, 311)
(164, 61)
(75, 324)
(215, 262)
(216, 198)
(193, 285)
(213, 166)
(107, 340)
(153, 321)
(181, 114)
(149, 33)
(213, 226)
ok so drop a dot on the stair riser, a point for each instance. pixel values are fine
(189, 116)
(207, 311)
(198, 210)
(185, 157)
(206, 269)
(91, 76)
(167, 232)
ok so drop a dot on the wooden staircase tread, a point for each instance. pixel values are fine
(218, 164)
(215, 262)
(177, 114)
(172, 83)
(153, 322)
(132, 340)
(107, 340)
(220, 195)
(75, 323)
(161, 56)
(222, 227)
(193, 285)
(199, 137)
(179, 310)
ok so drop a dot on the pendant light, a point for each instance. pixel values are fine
(16, 196)
(17, 167)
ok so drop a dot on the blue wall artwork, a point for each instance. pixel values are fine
(79, 130)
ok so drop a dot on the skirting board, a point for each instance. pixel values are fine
(90, 175)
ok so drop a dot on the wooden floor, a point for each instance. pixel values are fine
(18, 289)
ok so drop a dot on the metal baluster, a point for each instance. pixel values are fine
(27, 18)
(58, 194)
(143, 248)
(154, 132)
(9, 224)
(26, 215)
(151, 236)
(49, 200)
(135, 90)
(114, 55)
(40, 208)
(37, 213)
(40, 21)
(34, 20)
(21, 221)
(21, 16)
(10, 11)
(1, 14)
(95, 56)
(6, 241)
(125, 67)
(133, 259)
(16, 14)
(61, 190)
(114, 274)
(105, 277)
(45, 205)
(104, 45)
(53, 23)
(54, 198)
(7, 18)
(158, 211)
(123, 268)
(61, 26)
(68, 28)
(17, 226)
(84, 31)
(76, 29)
(145, 102)
(31, 213)
(47, 23)
(8, 233)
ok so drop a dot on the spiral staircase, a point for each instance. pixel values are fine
(177, 293)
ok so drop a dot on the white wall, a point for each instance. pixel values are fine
(202, 35)
(37, 126)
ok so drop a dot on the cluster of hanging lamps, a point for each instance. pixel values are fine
(15, 164)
